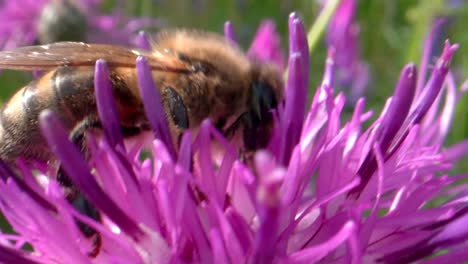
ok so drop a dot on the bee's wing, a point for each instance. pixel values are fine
(50, 56)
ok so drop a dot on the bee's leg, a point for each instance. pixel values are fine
(77, 137)
(86, 208)
(73, 195)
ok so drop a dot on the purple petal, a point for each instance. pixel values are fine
(315, 253)
(266, 45)
(229, 32)
(219, 249)
(354, 253)
(427, 97)
(241, 229)
(205, 161)
(428, 52)
(341, 21)
(106, 105)
(442, 122)
(342, 35)
(12, 255)
(399, 106)
(152, 102)
(454, 233)
(392, 121)
(77, 169)
(298, 43)
(298, 74)
(456, 152)
(185, 152)
(294, 111)
(330, 69)
(234, 247)
(434, 85)
(142, 41)
(457, 255)
(6, 173)
(270, 215)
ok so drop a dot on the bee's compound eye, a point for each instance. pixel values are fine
(262, 99)
(178, 111)
(257, 120)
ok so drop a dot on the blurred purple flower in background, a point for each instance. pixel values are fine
(342, 38)
(26, 22)
(324, 190)
(266, 45)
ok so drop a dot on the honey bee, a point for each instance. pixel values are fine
(200, 75)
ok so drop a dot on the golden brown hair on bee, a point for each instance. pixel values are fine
(226, 82)
(200, 75)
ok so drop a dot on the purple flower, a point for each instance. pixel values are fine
(342, 37)
(25, 22)
(324, 190)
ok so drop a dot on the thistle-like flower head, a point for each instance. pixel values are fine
(324, 190)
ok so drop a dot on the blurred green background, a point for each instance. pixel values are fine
(392, 34)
